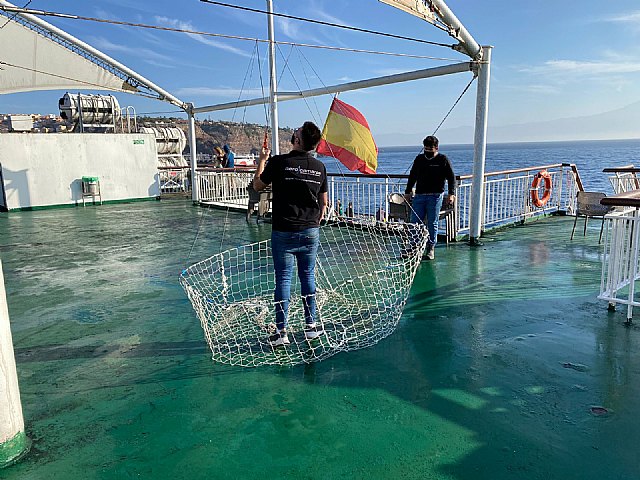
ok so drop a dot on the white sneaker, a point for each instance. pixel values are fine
(279, 339)
(313, 331)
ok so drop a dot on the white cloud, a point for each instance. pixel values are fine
(538, 88)
(633, 17)
(148, 54)
(299, 31)
(142, 33)
(324, 16)
(175, 23)
(593, 68)
(294, 30)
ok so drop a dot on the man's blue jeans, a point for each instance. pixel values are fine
(429, 205)
(303, 248)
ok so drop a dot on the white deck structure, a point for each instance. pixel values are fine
(39, 170)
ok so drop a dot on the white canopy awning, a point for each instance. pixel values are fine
(30, 61)
(36, 55)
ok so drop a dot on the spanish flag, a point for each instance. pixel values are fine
(347, 137)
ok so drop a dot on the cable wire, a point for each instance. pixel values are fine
(14, 16)
(454, 105)
(328, 24)
(45, 13)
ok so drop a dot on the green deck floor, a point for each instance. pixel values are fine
(500, 355)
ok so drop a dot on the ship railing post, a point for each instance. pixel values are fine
(195, 183)
(385, 200)
(480, 147)
(13, 439)
(273, 82)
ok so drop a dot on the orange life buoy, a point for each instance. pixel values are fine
(537, 201)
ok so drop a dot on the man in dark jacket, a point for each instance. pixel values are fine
(299, 184)
(428, 173)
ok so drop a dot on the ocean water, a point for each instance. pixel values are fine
(591, 157)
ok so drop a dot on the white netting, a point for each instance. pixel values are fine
(364, 272)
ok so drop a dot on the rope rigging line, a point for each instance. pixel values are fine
(300, 89)
(454, 104)
(267, 118)
(300, 54)
(14, 16)
(318, 119)
(448, 113)
(338, 163)
(248, 74)
(44, 13)
(341, 170)
(328, 24)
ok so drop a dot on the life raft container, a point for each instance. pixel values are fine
(535, 199)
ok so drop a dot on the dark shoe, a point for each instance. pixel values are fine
(279, 339)
(431, 252)
(313, 331)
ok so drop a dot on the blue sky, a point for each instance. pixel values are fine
(552, 60)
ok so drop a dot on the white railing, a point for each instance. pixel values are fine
(224, 186)
(174, 179)
(507, 196)
(363, 195)
(621, 262)
(624, 179)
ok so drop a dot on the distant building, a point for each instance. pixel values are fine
(20, 123)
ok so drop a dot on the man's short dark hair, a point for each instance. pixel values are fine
(309, 136)
(430, 141)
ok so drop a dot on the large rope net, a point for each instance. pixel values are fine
(364, 271)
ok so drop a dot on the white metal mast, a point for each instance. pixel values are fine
(467, 45)
(428, 10)
(195, 184)
(476, 211)
(273, 87)
(345, 87)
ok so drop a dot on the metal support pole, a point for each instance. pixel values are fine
(13, 440)
(633, 264)
(273, 87)
(345, 87)
(457, 30)
(195, 185)
(480, 147)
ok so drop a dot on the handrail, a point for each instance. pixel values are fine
(507, 194)
(516, 170)
(629, 169)
(240, 168)
(174, 168)
(624, 199)
(573, 166)
(624, 178)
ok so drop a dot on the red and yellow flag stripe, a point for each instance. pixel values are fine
(346, 136)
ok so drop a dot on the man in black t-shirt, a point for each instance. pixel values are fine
(428, 173)
(299, 184)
